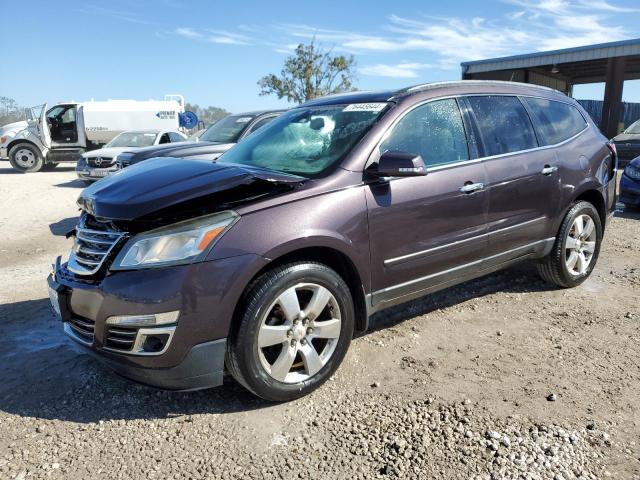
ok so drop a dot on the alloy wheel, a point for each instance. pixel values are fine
(299, 333)
(580, 245)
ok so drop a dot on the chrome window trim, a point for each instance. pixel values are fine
(375, 152)
(409, 256)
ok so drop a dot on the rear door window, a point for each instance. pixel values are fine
(554, 121)
(505, 126)
(433, 130)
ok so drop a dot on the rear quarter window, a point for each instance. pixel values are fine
(554, 121)
(504, 124)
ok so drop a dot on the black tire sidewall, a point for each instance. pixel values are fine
(580, 208)
(39, 160)
(245, 340)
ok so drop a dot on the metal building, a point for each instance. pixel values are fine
(612, 63)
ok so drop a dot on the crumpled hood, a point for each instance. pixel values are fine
(142, 189)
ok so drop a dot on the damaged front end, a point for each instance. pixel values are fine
(166, 212)
(139, 281)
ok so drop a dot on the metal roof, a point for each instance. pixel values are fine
(590, 52)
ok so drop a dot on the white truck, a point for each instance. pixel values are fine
(65, 131)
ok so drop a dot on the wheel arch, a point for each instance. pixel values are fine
(332, 258)
(594, 196)
(17, 141)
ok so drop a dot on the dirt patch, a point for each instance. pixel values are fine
(498, 377)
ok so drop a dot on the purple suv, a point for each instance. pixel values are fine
(265, 263)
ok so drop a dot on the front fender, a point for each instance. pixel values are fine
(30, 139)
(336, 220)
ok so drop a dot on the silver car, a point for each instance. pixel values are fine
(96, 164)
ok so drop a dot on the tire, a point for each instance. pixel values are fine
(557, 267)
(26, 158)
(269, 331)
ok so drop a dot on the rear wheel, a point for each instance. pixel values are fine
(576, 248)
(294, 331)
(26, 158)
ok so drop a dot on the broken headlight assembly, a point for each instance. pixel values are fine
(180, 243)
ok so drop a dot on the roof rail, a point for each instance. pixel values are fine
(429, 86)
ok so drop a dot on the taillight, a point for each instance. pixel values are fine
(614, 157)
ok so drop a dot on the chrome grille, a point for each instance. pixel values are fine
(81, 329)
(100, 162)
(91, 247)
(120, 338)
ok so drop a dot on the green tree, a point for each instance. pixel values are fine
(309, 73)
(10, 111)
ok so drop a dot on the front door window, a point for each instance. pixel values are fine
(433, 130)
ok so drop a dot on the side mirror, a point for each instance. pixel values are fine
(399, 164)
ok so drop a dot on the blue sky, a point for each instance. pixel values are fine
(214, 52)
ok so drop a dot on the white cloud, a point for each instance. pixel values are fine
(605, 6)
(93, 10)
(188, 33)
(532, 25)
(400, 70)
(228, 38)
(213, 36)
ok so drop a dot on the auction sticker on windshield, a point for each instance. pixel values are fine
(364, 107)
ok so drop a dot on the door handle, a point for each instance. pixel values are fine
(471, 187)
(548, 170)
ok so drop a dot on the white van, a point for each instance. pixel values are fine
(65, 131)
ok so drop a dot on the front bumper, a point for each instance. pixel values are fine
(89, 173)
(4, 153)
(629, 191)
(205, 294)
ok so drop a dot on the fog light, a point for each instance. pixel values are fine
(153, 341)
(150, 320)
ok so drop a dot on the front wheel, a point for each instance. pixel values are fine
(26, 158)
(576, 248)
(293, 333)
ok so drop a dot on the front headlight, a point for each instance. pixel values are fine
(632, 171)
(180, 243)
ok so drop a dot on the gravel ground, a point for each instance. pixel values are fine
(501, 377)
